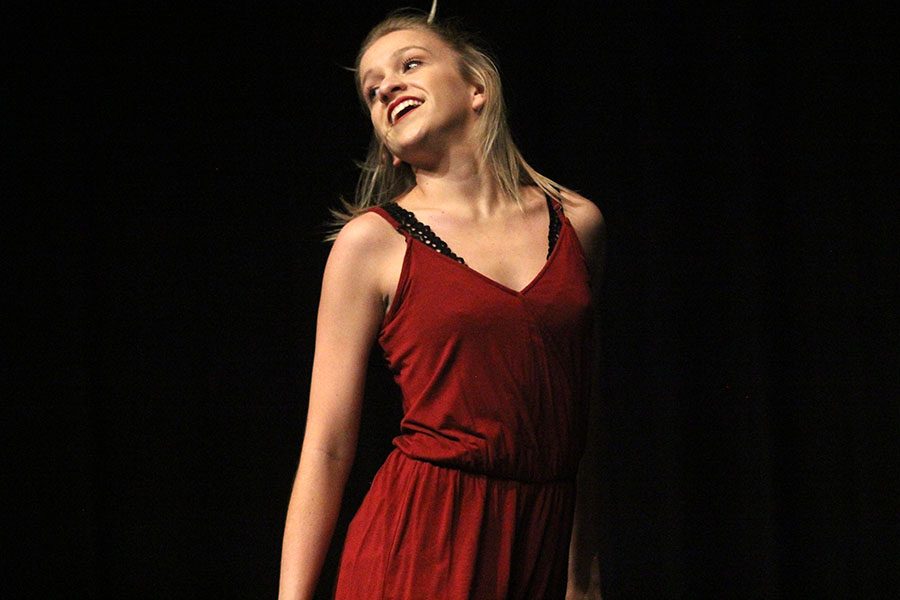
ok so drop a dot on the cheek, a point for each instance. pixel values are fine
(376, 125)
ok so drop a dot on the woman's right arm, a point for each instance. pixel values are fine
(351, 309)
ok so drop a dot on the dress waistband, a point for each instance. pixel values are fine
(561, 481)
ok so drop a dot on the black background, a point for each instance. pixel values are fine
(171, 169)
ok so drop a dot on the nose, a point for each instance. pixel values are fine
(388, 88)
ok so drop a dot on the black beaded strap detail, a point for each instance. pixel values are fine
(419, 230)
(555, 227)
(423, 233)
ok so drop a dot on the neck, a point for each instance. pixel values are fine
(460, 183)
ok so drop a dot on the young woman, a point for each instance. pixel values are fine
(484, 315)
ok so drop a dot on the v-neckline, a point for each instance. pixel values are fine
(534, 280)
(453, 258)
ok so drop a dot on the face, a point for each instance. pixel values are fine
(417, 98)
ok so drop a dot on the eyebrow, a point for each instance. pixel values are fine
(394, 54)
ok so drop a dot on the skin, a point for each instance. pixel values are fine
(464, 207)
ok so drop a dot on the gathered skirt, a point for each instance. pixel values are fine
(426, 531)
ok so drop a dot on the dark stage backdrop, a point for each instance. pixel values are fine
(176, 164)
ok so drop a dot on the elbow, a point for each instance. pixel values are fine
(339, 456)
(335, 457)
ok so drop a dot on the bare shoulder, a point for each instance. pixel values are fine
(365, 232)
(366, 253)
(588, 222)
(365, 238)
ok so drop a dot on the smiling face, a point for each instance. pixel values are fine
(417, 98)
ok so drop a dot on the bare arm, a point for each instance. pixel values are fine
(350, 311)
(584, 557)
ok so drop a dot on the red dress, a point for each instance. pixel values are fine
(477, 498)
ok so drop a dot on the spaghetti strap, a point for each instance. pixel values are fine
(387, 216)
(555, 209)
(419, 230)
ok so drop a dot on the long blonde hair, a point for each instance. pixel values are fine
(380, 181)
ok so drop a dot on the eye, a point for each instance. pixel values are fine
(370, 93)
(411, 63)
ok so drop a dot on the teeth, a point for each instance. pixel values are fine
(403, 105)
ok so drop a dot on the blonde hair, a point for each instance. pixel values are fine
(380, 181)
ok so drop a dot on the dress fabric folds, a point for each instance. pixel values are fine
(477, 498)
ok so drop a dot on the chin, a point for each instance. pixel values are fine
(406, 142)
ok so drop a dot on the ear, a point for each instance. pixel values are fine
(478, 97)
(395, 161)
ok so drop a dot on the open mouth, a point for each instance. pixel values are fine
(403, 108)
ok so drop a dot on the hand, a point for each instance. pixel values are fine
(585, 590)
(591, 593)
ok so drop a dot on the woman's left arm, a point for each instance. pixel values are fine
(584, 551)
